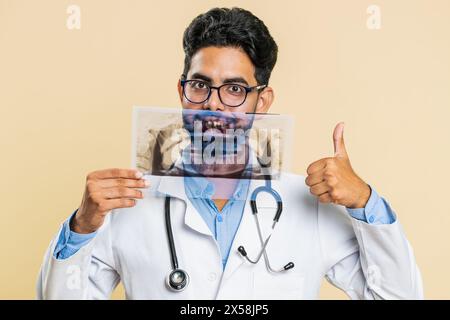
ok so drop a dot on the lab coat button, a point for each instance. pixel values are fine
(371, 218)
(212, 277)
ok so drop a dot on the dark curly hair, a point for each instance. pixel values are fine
(236, 27)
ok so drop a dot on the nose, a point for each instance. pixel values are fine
(214, 103)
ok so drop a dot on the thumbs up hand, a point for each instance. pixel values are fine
(333, 179)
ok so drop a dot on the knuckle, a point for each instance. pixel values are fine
(329, 162)
(332, 181)
(90, 176)
(328, 172)
(307, 180)
(314, 190)
(93, 197)
(335, 194)
(104, 213)
(127, 202)
(116, 172)
(90, 186)
(311, 167)
(97, 201)
(102, 207)
(123, 192)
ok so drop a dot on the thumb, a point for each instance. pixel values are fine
(338, 140)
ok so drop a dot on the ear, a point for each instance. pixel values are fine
(265, 100)
(180, 90)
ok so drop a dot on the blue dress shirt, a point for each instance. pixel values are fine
(223, 224)
(70, 242)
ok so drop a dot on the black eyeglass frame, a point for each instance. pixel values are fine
(247, 91)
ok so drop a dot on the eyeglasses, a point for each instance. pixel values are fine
(230, 94)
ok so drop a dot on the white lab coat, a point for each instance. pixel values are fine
(366, 261)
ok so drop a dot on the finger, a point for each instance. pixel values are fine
(338, 141)
(316, 166)
(117, 203)
(325, 198)
(315, 178)
(320, 188)
(121, 192)
(121, 182)
(116, 173)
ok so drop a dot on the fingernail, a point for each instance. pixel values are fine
(146, 183)
(139, 174)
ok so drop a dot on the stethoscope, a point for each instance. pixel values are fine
(178, 279)
(266, 188)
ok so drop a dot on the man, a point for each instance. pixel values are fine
(334, 225)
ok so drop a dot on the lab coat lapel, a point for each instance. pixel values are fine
(174, 187)
(246, 234)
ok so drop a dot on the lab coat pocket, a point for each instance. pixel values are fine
(287, 285)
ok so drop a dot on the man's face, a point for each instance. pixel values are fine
(217, 66)
(214, 67)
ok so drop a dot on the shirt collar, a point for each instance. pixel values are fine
(201, 187)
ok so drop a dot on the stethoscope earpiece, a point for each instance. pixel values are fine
(288, 266)
(242, 251)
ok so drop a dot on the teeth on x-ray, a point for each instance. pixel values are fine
(216, 145)
(210, 124)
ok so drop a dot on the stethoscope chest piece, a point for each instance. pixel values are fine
(177, 280)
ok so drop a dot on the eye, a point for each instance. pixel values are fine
(235, 89)
(198, 85)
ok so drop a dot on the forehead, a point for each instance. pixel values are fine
(220, 63)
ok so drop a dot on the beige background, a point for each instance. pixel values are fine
(66, 99)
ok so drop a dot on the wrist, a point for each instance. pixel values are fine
(363, 197)
(77, 225)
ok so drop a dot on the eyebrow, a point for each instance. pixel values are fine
(201, 76)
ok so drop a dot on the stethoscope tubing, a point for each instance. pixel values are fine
(263, 252)
(173, 251)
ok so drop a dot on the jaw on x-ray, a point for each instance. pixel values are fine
(203, 143)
